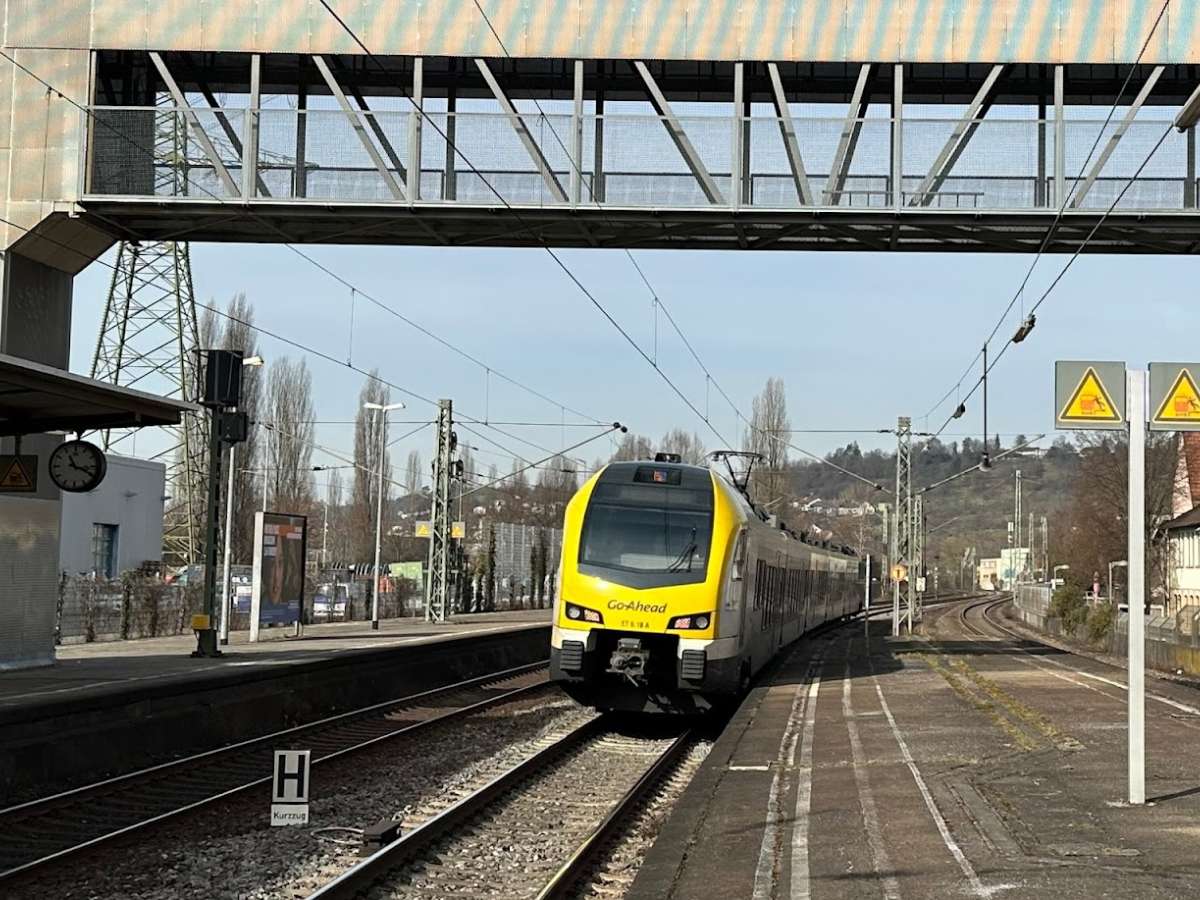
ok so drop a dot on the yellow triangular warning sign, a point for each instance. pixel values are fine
(1090, 402)
(15, 478)
(1182, 403)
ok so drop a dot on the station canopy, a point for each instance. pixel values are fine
(36, 398)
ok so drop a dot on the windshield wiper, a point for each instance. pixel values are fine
(685, 555)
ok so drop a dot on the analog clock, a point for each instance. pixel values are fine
(77, 466)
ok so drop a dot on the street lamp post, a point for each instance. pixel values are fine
(1114, 565)
(383, 411)
(227, 578)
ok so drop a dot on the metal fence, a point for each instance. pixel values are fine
(318, 155)
(1172, 641)
(91, 610)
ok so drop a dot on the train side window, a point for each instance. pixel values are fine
(739, 557)
(760, 572)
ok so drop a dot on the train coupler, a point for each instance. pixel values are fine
(629, 659)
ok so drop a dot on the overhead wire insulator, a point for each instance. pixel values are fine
(1024, 329)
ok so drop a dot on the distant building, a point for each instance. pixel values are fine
(1183, 531)
(988, 573)
(1186, 495)
(1183, 539)
(118, 526)
(1015, 563)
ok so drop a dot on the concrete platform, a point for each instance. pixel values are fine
(942, 766)
(105, 708)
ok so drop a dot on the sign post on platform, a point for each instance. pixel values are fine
(1136, 413)
(1103, 395)
(867, 600)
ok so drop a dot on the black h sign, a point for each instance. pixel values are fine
(291, 767)
(289, 788)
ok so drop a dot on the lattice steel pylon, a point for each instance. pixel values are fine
(440, 524)
(149, 340)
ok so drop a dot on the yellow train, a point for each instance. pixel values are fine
(674, 591)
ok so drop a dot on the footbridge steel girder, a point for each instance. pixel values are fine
(577, 152)
(927, 190)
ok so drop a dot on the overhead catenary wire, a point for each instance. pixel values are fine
(241, 209)
(658, 304)
(1053, 228)
(320, 354)
(994, 361)
(616, 426)
(978, 466)
(558, 260)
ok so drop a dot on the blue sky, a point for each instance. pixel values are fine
(859, 338)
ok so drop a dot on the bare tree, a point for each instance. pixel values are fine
(370, 456)
(633, 446)
(289, 427)
(688, 446)
(338, 546)
(767, 435)
(1093, 530)
(413, 473)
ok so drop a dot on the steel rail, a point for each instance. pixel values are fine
(57, 808)
(572, 870)
(363, 877)
(366, 876)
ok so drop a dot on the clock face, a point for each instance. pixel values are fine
(77, 466)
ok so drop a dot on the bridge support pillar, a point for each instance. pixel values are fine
(35, 324)
(42, 246)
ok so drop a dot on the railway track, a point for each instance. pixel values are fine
(534, 831)
(52, 828)
(986, 605)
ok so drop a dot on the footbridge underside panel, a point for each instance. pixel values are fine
(498, 226)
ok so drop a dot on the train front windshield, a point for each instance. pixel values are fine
(646, 534)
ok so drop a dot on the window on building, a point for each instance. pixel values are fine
(104, 550)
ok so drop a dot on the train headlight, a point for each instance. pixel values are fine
(577, 613)
(701, 622)
(695, 622)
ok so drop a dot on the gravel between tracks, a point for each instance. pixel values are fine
(230, 852)
(615, 871)
(514, 848)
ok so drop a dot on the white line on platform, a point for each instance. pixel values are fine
(977, 887)
(866, 800)
(801, 887)
(765, 767)
(1036, 662)
(764, 872)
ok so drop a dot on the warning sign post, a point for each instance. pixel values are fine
(1175, 396)
(1089, 395)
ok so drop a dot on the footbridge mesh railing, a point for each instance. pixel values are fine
(633, 161)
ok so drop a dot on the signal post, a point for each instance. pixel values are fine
(1104, 396)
